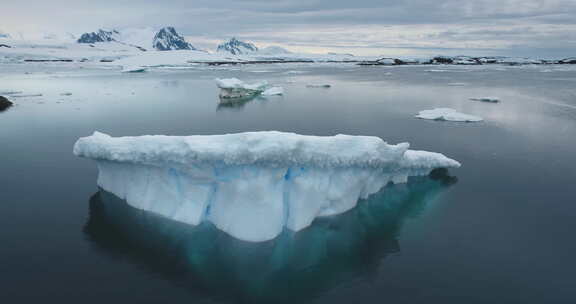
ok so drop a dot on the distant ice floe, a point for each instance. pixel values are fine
(26, 95)
(447, 114)
(11, 93)
(325, 86)
(252, 185)
(436, 71)
(134, 69)
(236, 88)
(486, 99)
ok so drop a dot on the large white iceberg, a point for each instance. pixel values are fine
(236, 88)
(447, 114)
(251, 185)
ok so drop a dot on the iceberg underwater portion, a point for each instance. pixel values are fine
(292, 268)
(251, 185)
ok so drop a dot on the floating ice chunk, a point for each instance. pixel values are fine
(134, 69)
(447, 114)
(66, 94)
(273, 91)
(251, 185)
(326, 86)
(236, 88)
(487, 99)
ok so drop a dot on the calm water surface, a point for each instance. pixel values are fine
(498, 230)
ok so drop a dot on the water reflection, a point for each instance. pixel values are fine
(293, 267)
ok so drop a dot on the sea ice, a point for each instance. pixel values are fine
(447, 114)
(273, 91)
(11, 93)
(133, 69)
(251, 185)
(236, 88)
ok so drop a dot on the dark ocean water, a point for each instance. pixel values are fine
(498, 230)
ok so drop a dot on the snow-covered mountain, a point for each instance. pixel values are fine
(168, 39)
(237, 47)
(99, 36)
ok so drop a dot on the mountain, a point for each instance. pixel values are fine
(168, 39)
(237, 47)
(100, 36)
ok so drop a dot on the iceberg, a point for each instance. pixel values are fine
(251, 185)
(447, 114)
(236, 88)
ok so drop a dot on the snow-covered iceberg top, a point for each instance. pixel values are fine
(447, 114)
(236, 88)
(251, 185)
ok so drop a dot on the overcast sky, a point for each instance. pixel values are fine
(544, 28)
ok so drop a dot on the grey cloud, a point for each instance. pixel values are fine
(491, 25)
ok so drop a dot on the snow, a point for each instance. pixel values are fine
(447, 114)
(487, 99)
(167, 39)
(251, 185)
(236, 88)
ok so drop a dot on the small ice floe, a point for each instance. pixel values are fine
(324, 86)
(447, 114)
(486, 99)
(134, 69)
(236, 88)
(66, 94)
(273, 91)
